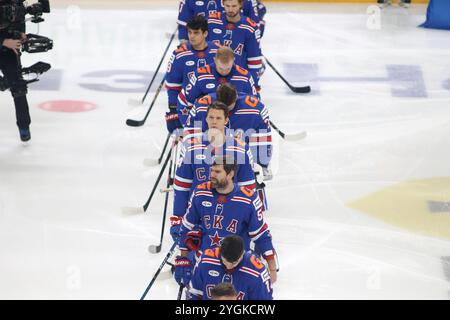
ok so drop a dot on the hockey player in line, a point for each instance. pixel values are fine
(231, 263)
(240, 33)
(262, 10)
(191, 8)
(248, 119)
(197, 156)
(220, 208)
(207, 79)
(185, 60)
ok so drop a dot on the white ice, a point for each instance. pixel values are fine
(63, 236)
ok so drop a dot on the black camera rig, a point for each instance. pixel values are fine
(37, 69)
(12, 17)
(15, 10)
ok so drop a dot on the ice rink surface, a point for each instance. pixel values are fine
(360, 209)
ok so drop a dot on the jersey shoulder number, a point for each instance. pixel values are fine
(204, 70)
(205, 100)
(213, 253)
(248, 192)
(204, 186)
(181, 48)
(215, 15)
(251, 22)
(241, 70)
(251, 101)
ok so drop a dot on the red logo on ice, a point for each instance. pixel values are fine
(71, 106)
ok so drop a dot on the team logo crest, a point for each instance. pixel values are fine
(207, 204)
(213, 273)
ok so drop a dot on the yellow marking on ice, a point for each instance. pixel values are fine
(406, 205)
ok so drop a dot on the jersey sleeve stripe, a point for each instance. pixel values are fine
(178, 178)
(211, 261)
(182, 98)
(187, 224)
(243, 26)
(261, 230)
(250, 271)
(183, 185)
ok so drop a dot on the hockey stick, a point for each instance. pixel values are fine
(153, 248)
(137, 102)
(138, 123)
(168, 255)
(180, 292)
(289, 137)
(153, 162)
(130, 210)
(306, 89)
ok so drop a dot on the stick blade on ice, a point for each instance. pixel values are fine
(134, 123)
(296, 136)
(306, 89)
(154, 249)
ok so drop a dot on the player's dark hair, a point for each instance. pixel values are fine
(228, 163)
(198, 23)
(217, 105)
(241, 2)
(232, 248)
(226, 93)
(223, 289)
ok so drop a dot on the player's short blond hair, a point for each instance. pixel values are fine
(225, 54)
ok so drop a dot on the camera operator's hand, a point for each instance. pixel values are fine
(12, 44)
(23, 37)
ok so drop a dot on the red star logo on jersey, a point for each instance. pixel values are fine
(221, 199)
(185, 112)
(230, 26)
(201, 55)
(215, 239)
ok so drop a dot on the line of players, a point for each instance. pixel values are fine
(225, 148)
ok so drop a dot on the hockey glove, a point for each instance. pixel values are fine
(172, 120)
(267, 173)
(175, 225)
(183, 270)
(259, 176)
(194, 240)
